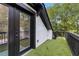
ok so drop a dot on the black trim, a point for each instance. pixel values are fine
(73, 42)
(36, 6)
(14, 23)
(25, 50)
(13, 31)
(21, 7)
(48, 17)
(32, 37)
(17, 35)
(42, 12)
(33, 31)
(11, 34)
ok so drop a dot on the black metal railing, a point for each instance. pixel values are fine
(73, 42)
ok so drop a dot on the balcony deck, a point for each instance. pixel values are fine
(57, 47)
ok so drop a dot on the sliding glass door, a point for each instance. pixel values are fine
(24, 31)
(16, 24)
(3, 30)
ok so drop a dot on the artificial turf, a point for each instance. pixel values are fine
(54, 47)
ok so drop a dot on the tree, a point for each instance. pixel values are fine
(67, 13)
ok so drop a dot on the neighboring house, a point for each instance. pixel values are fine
(28, 27)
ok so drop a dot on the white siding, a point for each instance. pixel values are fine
(50, 34)
(42, 34)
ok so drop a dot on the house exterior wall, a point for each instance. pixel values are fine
(50, 34)
(42, 34)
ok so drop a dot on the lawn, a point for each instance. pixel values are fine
(58, 47)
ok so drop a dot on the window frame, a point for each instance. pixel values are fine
(13, 28)
(19, 29)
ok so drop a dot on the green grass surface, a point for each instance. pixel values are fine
(58, 47)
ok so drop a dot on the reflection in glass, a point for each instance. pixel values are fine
(24, 31)
(3, 30)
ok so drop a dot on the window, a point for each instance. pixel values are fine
(3, 30)
(15, 30)
(24, 31)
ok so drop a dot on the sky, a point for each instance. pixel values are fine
(47, 5)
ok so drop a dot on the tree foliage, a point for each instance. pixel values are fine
(64, 16)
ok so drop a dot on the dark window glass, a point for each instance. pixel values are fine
(24, 31)
(3, 30)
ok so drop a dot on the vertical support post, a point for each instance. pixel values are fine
(13, 31)
(17, 30)
(33, 31)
